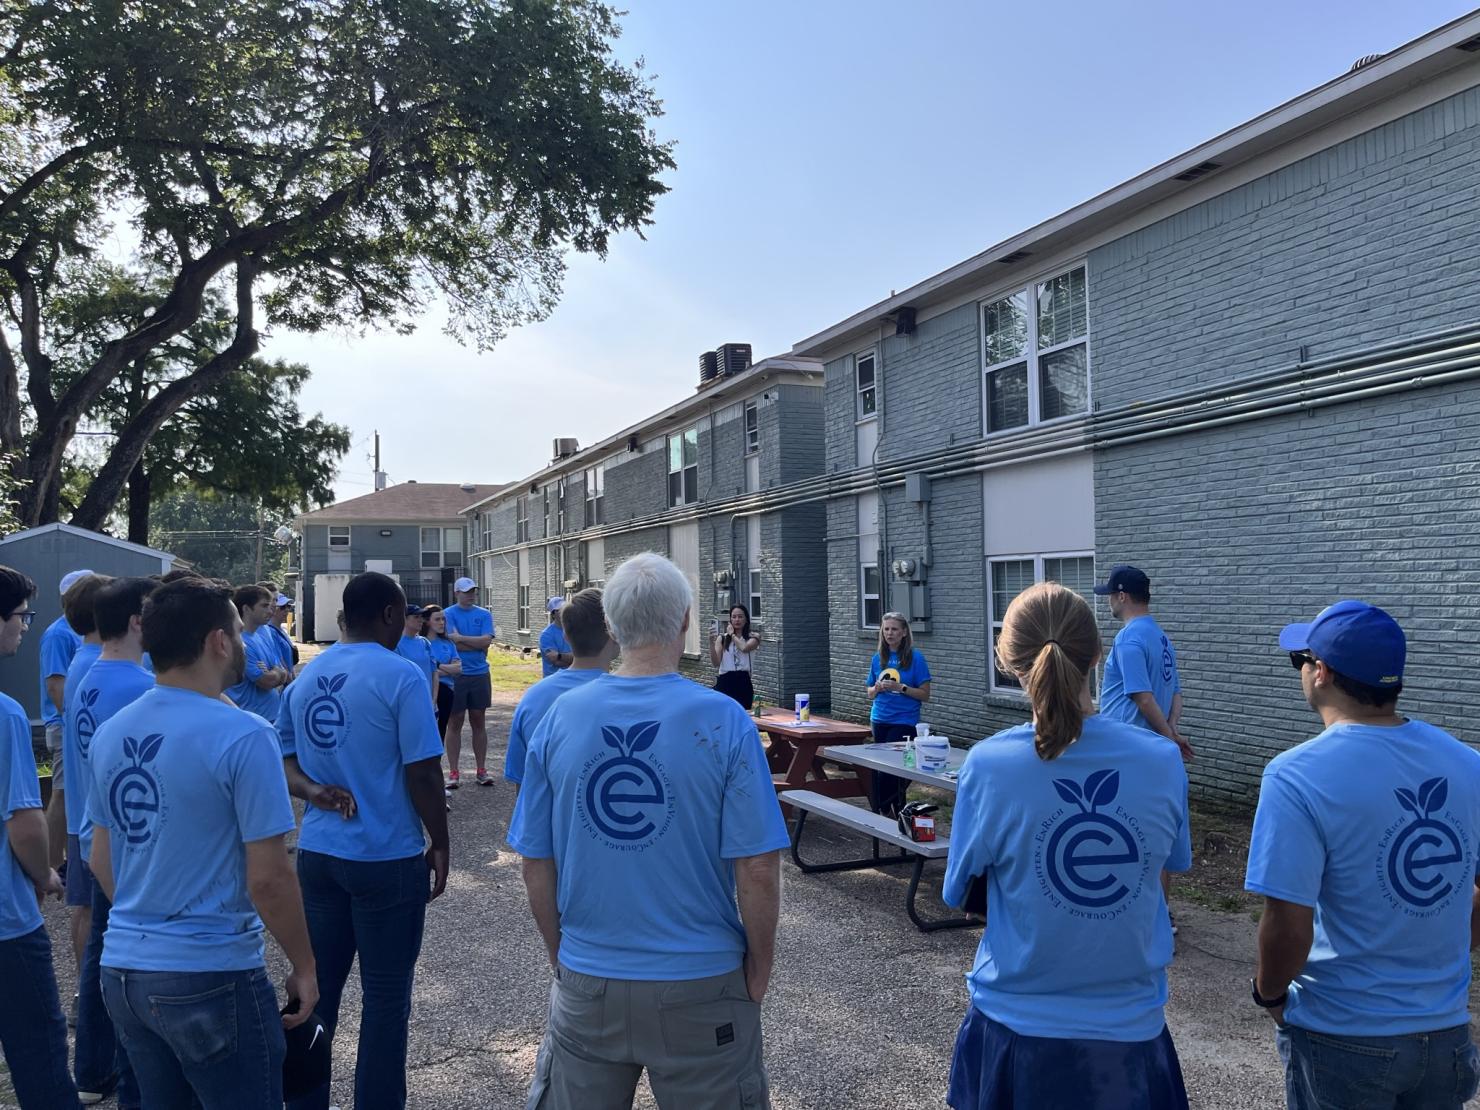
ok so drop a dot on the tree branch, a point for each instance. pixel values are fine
(107, 486)
(10, 397)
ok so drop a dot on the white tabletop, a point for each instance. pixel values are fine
(890, 759)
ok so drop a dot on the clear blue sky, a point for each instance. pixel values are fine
(829, 152)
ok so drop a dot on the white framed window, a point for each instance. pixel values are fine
(1009, 576)
(683, 467)
(521, 520)
(339, 537)
(752, 427)
(870, 581)
(485, 526)
(596, 495)
(1035, 352)
(755, 593)
(595, 562)
(865, 376)
(560, 507)
(523, 591)
(441, 547)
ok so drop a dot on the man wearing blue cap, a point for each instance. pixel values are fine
(1141, 686)
(1365, 849)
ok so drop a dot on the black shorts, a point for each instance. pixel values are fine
(471, 691)
(737, 684)
(444, 707)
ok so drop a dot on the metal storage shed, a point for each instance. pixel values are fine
(46, 553)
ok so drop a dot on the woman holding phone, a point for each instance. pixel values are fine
(898, 684)
(732, 650)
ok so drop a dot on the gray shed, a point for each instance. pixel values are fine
(46, 554)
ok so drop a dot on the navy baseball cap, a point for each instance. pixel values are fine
(1354, 639)
(306, 1067)
(1127, 578)
(412, 610)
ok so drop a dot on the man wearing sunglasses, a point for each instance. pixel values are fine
(1366, 847)
(33, 1031)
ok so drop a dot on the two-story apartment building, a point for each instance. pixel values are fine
(1251, 371)
(706, 482)
(413, 530)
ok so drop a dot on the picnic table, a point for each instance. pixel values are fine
(795, 747)
(889, 759)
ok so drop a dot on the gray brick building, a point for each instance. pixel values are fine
(1252, 371)
(713, 483)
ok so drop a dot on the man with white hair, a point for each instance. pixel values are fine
(647, 812)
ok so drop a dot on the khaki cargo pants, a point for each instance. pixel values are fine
(700, 1040)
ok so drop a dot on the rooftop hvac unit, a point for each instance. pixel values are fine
(565, 448)
(708, 366)
(734, 358)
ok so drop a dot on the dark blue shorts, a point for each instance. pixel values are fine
(80, 881)
(996, 1069)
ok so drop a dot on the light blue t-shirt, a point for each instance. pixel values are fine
(417, 651)
(261, 657)
(277, 646)
(76, 719)
(552, 639)
(355, 718)
(645, 791)
(1078, 939)
(898, 709)
(475, 621)
(531, 710)
(182, 783)
(108, 686)
(1142, 660)
(58, 645)
(1378, 829)
(19, 789)
(443, 651)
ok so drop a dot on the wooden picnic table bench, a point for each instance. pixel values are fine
(794, 754)
(878, 829)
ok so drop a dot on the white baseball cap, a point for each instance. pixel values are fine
(554, 603)
(283, 601)
(463, 585)
(71, 579)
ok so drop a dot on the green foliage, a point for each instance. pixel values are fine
(327, 163)
(218, 536)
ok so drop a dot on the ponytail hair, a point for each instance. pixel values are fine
(1049, 640)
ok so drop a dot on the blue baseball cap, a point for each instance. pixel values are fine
(1354, 639)
(1127, 578)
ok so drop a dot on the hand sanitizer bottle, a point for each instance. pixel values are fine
(909, 745)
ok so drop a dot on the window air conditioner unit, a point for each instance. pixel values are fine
(572, 583)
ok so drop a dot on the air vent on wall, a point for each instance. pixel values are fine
(1202, 169)
(1015, 256)
(1469, 45)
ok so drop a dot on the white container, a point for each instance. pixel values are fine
(932, 752)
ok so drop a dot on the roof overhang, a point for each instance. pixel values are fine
(1421, 61)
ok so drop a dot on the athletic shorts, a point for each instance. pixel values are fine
(54, 753)
(80, 881)
(471, 691)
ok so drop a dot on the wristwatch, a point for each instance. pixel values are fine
(1267, 1003)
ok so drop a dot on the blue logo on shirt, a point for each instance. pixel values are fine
(133, 799)
(1090, 858)
(625, 797)
(1418, 853)
(87, 723)
(323, 717)
(1168, 666)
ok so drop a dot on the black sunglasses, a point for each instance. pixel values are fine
(1298, 659)
(26, 618)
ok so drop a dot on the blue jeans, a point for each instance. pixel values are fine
(99, 1063)
(1418, 1071)
(376, 909)
(200, 1039)
(33, 1032)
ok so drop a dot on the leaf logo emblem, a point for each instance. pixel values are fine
(1099, 789)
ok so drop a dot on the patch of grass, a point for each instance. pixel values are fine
(512, 672)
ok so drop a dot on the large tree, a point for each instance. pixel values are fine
(246, 437)
(323, 164)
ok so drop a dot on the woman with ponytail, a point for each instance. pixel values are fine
(1070, 820)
